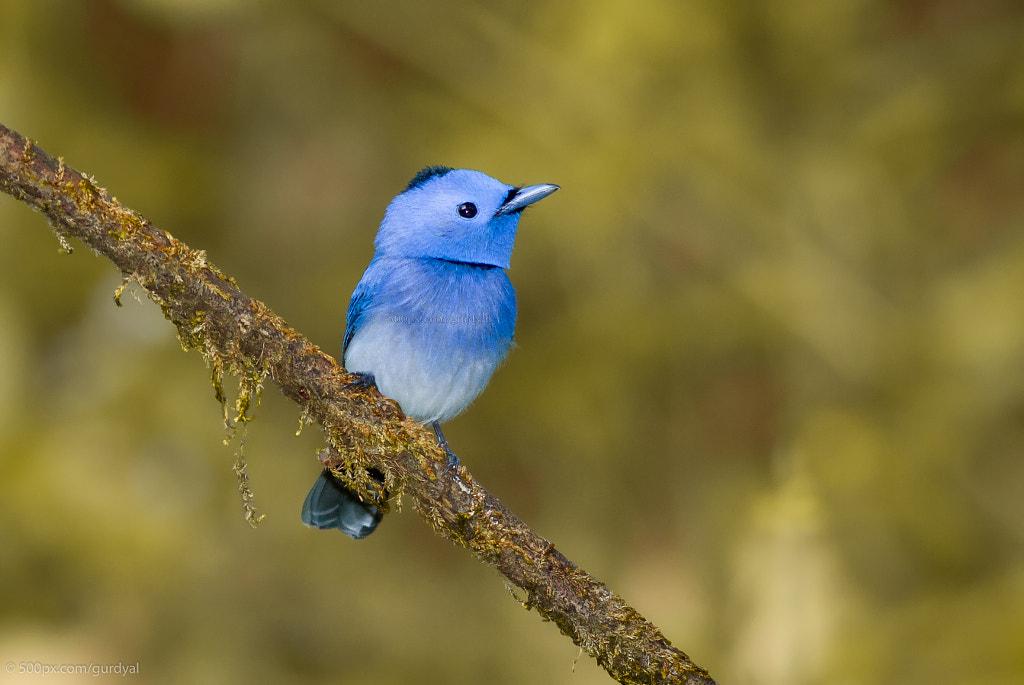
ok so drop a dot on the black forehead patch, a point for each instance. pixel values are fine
(511, 194)
(426, 174)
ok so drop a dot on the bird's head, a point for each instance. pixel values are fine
(458, 215)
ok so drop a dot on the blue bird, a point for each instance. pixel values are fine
(433, 315)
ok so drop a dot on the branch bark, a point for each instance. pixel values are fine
(239, 335)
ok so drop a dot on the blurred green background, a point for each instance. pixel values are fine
(770, 376)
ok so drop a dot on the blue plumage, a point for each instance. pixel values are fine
(430, 331)
(434, 313)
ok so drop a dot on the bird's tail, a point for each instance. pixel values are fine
(330, 504)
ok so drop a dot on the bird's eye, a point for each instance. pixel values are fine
(467, 210)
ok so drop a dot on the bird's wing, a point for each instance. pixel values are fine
(362, 298)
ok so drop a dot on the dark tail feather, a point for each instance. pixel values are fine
(330, 504)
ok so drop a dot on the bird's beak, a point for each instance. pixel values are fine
(525, 196)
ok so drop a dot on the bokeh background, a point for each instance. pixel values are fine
(770, 376)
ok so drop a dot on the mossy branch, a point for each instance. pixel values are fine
(239, 335)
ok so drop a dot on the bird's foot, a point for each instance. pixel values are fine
(453, 460)
(361, 381)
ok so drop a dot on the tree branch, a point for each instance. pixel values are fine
(239, 335)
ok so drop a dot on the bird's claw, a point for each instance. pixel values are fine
(360, 380)
(453, 461)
